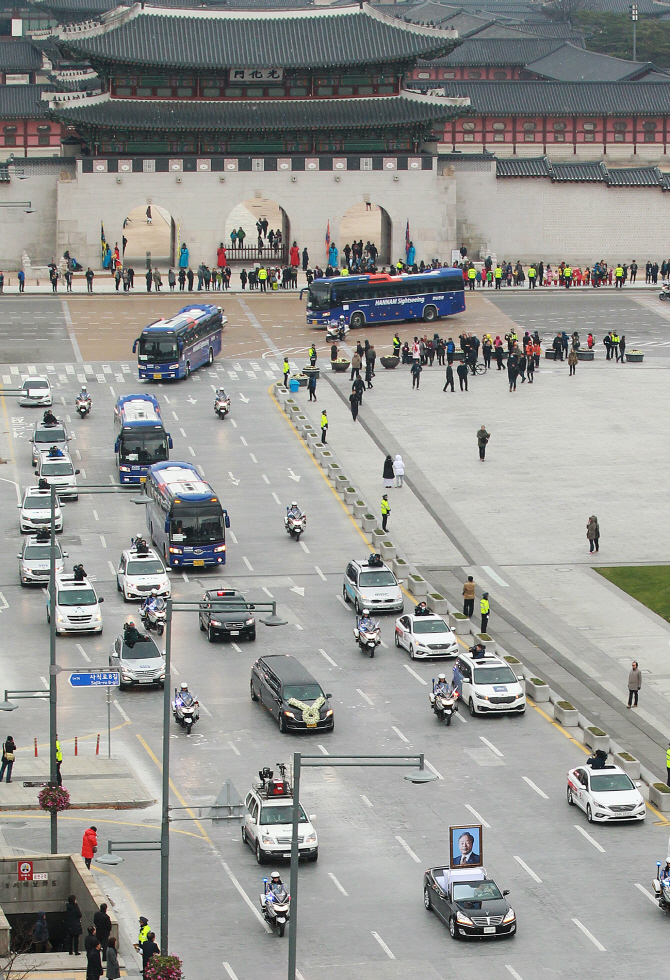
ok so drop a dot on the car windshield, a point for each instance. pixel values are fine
(616, 782)
(280, 814)
(159, 351)
(430, 626)
(143, 446)
(303, 692)
(318, 297)
(476, 891)
(383, 578)
(494, 675)
(144, 649)
(35, 383)
(40, 552)
(197, 524)
(50, 436)
(154, 567)
(64, 468)
(76, 597)
(38, 502)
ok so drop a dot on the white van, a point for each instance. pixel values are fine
(488, 686)
(77, 606)
(59, 471)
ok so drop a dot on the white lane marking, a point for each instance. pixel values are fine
(589, 838)
(298, 974)
(173, 669)
(366, 698)
(112, 392)
(83, 653)
(477, 816)
(184, 576)
(183, 433)
(242, 892)
(337, 884)
(463, 720)
(191, 450)
(232, 534)
(383, 945)
(243, 440)
(405, 845)
(175, 416)
(433, 769)
(338, 596)
(511, 970)
(45, 682)
(83, 473)
(385, 645)
(120, 710)
(78, 455)
(95, 514)
(536, 788)
(414, 674)
(277, 500)
(491, 746)
(367, 801)
(102, 541)
(329, 659)
(304, 547)
(229, 970)
(247, 563)
(298, 626)
(527, 869)
(399, 734)
(204, 707)
(268, 593)
(236, 647)
(590, 936)
(111, 567)
(253, 458)
(265, 479)
(200, 470)
(494, 575)
(234, 748)
(652, 898)
(320, 573)
(233, 423)
(323, 748)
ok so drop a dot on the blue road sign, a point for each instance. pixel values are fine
(98, 678)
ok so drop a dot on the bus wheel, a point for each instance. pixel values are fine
(210, 359)
(430, 314)
(357, 321)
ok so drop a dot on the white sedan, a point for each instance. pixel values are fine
(36, 391)
(605, 794)
(425, 636)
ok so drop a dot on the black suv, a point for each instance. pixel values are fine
(225, 612)
(291, 694)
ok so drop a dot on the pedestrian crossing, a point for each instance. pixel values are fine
(122, 373)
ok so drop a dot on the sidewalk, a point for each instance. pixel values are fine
(92, 782)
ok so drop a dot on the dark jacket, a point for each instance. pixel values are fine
(90, 942)
(388, 468)
(462, 370)
(94, 967)
(149, 948)
(103, 925)
(73, 919)
(113, 972)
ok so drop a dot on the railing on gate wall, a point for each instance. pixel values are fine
(275, 256)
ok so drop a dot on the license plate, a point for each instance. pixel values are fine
(286, 855)
(157, 377)
(311, 724)
(145, 680)
(198, 561)
(489, 929)
(234, 632)
(143, 479)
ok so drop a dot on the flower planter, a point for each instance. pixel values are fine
(334, 469)
(301, 379)
(318, 449)
(659, 796)
(400, 568)
(627, 762)
(487, 640)
(586, 355)
(515, 664)
(437, 603)
(288, 404)
(550, 355)
(340, 366)
(537, 689)
(294, 411)
(390, 362)
(300, 420)
(360, 508)
(341, 483)
(458, 355)
(566, 714)
(387, 550)
(311, 372)
(376, 537)
(459, 623)
(596, 738)
(326, 459)
(417, 585)
(635, 356)
(368, 522)
(350, 495)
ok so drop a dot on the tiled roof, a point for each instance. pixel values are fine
(665, 182)
(559, 98)
(23, 101)
(476, 52)
(584, 172)
(17, 54)
(578, 171)
(621, 6)
(551, 29)
(243, 39)
(568, 63)
(266, 115)
(522, 167)
(635, 177)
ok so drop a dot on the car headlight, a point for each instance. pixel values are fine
(124, 469)
(266, 839)
(175, 551)
(289, 714)
(250, 621)
(481, 697)
(463, 919)
(214, 622)
(219, 547)
(329, 712)
(509, 916)
(59, 618)
(162, 677)
(310, 839)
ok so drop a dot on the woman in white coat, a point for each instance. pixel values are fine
(399, 470)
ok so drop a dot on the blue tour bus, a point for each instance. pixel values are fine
(382, 298)
(140, 438)
(185, 518)
(175, 347)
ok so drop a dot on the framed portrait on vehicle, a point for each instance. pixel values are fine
(466, 847)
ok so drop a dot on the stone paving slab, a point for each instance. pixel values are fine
(93, 783)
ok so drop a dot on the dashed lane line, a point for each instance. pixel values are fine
(477, 816)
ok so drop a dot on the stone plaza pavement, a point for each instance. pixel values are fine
(93, 782)
(560, 450)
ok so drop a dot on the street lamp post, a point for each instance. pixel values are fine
(299, 760)
(633, 11)
(53, 673)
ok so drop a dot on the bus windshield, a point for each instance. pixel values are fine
(143, 446)
(318, 297)
(196, 524)
(158, 350)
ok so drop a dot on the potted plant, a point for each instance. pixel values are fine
(400, 568)
(311, 372)
(350, 497)
(326, 458)
(341, 483)
(627, 762)
(659, 796)
(537, 689)
(515, 664)
(377, 537)
(634, 356)
(368, 522)
(334, 469)
(341, 365)
(387, 550)
(360, 508)
(389, 361)
(596, 738)
(417, 585)
(54, 799)
(566, 714)
(163, 968)
(459, 623)
(301, 378)
(437, 603)
(487, 640)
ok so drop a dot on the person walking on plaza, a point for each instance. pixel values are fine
(89, 845)
(416, 374)
(469, 597)
(399, 470)
(572, 361)
(387, 472)
(359, 388)
(89, 280)
(512, 370)
(356, 363)
(353, 401)
(634, 684)
(73, 924)
(8, 753)
(286, 369)
(593, 534)
(482, 438)
(311, 387)
(113, 971)
(462, 372)
(485, 609)
(324, 426)
(622, 347)
(450, 378)
(386, 510)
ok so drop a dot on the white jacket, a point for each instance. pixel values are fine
(398, 466)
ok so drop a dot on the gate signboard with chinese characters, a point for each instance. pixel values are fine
(256, 74)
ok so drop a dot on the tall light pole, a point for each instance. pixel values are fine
(633, 16)
(53, 672)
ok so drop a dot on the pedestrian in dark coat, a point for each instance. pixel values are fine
(622, 346)
(8, 754)
(450, 378)
(190, 276)
(149, 949)
(94, 967)
(149, 279)
(113, 971)
(91, 940)
(103, 927)
(311, 387)
(353, 401)
(73, 924)
(368, 374)
(593, 534)
(634, 684)
(416, 374)
(387, 473)
(512, 371)
(482, 438)
(462, 372)
(359, 388)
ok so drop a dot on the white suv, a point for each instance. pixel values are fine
(35, 560)
(267, 826)
(36, 511)
(46, 436)
(36, 391)
(77, 606)
(372, 586)
(138, 574)
(59, 471)
(488, 685)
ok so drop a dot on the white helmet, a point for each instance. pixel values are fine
(294, 503)
(184, 686)
(275, 876)
(366, 612)
(441, 677)
(154, 591)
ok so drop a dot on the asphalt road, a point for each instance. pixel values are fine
(583, 902)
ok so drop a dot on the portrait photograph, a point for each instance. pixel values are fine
(466, 847)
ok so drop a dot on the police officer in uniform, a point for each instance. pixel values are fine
(485, 608)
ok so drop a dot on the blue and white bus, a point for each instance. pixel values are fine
(140, 438)
(185, 518)
(383, 298)
(175, 347)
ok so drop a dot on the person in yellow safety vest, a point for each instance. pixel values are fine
(399, 265)
(312, 355)
(472, 275)
(532, 272)
(386, 510)
(262, 278)
(618, 274)
(344, 271)
(567, 276)
(497, 275)
(667, 762)
(286, 369)
(485, 608)
(615, 343)
(324, 426)
(144, 930)
(59, 759)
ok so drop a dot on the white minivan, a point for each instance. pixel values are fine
(59, 471)
(77, 606)
(488, 686)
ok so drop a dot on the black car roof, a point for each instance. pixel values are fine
(288, 669)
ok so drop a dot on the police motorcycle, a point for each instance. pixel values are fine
(295, 521)
(367, 633)
(443, 700)
(152, 613)
(661, 885)
(665, 289)
(337, 329)
(275, 903)
(221, 403)
(83, 403)
(185, 708)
